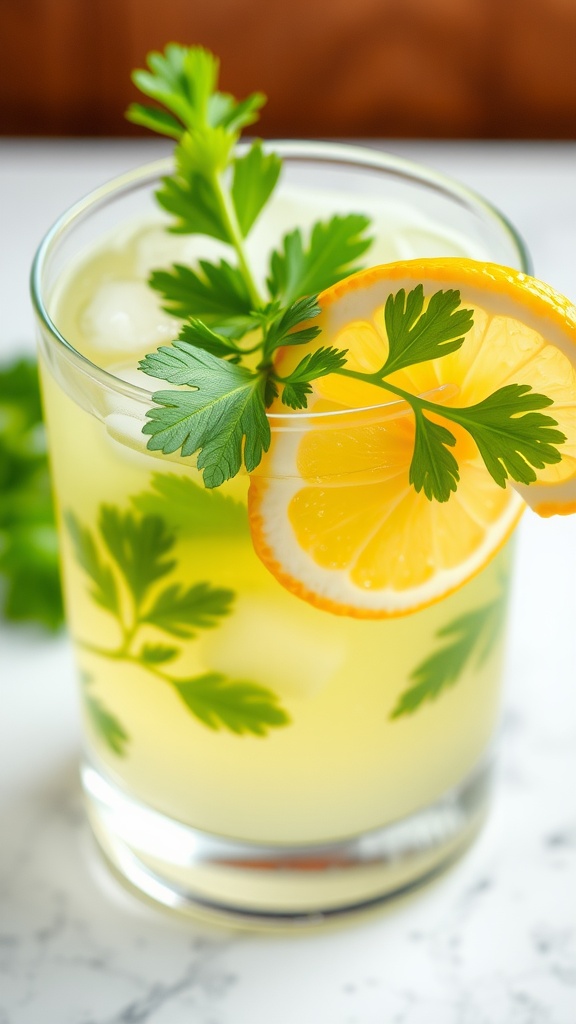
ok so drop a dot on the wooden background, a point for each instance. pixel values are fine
(383, 68)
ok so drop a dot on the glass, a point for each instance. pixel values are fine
(242, 751)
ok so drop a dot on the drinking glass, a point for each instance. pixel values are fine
(247, 753)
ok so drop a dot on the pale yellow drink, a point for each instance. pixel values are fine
(333, 757)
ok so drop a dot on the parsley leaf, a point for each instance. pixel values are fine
(331, 253)
(197, 334)
(232, 114)
(157, 654)
(191, 508)
(216, 294)
(510, 436)
(314, 365)
(470, 639)
(156, 120)
(433, 468)
(224, 419)
(239, 707)
(180, 611)
(280, 327)
(296, 395)
(254, 180)
(205, 152)
(138, 547)
(193, 201)
(184, 79)
(106, 725)
(103, 590)
(180, 79)
(414, 335)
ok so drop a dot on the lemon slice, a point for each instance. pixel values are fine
(332, 512)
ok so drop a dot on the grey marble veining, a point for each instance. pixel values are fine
(493, 941)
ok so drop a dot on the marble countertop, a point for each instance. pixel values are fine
(492, 941)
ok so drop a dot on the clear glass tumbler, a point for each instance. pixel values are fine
(247, 753)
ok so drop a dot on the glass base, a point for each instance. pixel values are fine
(188, 870)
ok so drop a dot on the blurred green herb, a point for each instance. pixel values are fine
(104, 723)
(29, 580)
(129, 554)
(191, 508)
(466, 642)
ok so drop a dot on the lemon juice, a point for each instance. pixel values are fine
(213, 694)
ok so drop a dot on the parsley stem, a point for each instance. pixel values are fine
(103, 652)
(458, 415)
(123, 654)
(231, 221)
(375, 378)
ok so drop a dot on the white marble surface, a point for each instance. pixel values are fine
(493, 941)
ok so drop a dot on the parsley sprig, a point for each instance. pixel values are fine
(465, 642)
(126, 561)
(512, 437)
(225, 349)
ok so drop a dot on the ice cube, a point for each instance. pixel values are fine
(247, 646)
(125, 315)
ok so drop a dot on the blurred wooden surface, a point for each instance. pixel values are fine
(382, 68)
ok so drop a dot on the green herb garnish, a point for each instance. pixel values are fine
(224, 418)
(29, 577)
(125, 561)
(238, 707)
(225, 350)
(187, 505)
(103, 722)
(467, 640)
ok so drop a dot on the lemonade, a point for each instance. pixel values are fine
(214, 697)
(340, 764)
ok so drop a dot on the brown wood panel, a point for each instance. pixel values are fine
(404, 68)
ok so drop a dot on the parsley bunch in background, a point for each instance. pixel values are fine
(29, 580)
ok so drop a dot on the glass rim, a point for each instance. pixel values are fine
(349, 154)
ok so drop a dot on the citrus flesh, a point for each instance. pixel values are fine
(332, 512)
